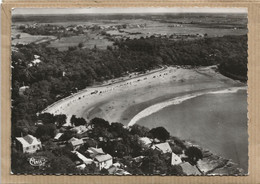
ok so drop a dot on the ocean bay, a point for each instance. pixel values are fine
(209, 121)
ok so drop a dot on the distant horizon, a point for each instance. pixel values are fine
(97, 14)
(70, 11)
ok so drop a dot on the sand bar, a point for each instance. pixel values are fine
(157, 107)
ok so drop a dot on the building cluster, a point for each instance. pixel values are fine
(93, 155)
(96, 155)
(175, 159)
(102, 160)
(78, 28)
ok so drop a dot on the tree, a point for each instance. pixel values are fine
(47, 118)
(60, 119)
(154, 163)
(193, 154)
(139, 130)
(73, 119)
(77, 121)
(45, 132)
(91, 169)
(110, 48)
(67, 135)
(19, 163)
(72, 48)
(104, 171)
(136, 171)
(175, 170)
(80, 121)
(62, 165)
(117, 129)
(80, 45)
(22, 128)
(120, 149)
(91, 143)
(18, 36)
(50, 145)
(99, 123)
(160, 133)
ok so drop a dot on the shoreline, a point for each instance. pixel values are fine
(106, 84)
(124, 101)
(175, 101)
(113, 98)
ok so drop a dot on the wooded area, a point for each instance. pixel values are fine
(61, 73)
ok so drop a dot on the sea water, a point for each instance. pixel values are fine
(217, 122)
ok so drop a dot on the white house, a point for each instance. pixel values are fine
(80, 129)
(35, 61)
(57, 136)
(175, 159)
(84, 159)
(36, 56)
(103, 161)
(28, 144)
(146, 141)
(163, 147)
(81, 166)
(22, 89)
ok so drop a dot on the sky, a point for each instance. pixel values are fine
(46, 11)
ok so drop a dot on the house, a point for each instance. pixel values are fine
(146, 141)
(175, 159)
(39, 122)
(121, 172)
(116, 164)
(28, 144)
(189, 169)
(36, 56)
(163, 147)
(103, 161)
(95, 151)
(81, 166)
(84, 159)
(22, 90)
(156, 140)
(75, 143)
(57, 136)
(117, 171)
(80, 129)
(138, 159)
(35, 61)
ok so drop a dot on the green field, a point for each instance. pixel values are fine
(27, 38)
(66, 42)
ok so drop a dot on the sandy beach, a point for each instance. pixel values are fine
(123, 100)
